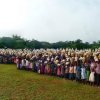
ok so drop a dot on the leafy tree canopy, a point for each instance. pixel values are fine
(16, 42)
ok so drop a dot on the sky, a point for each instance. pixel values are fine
(51, 20)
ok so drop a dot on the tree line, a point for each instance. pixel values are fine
(17, 42)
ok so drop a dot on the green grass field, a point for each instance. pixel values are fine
(24, 85)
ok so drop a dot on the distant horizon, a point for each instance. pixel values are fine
(48, 41)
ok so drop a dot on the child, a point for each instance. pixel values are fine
(18, 62)
(83, 73)
(38, 68)
(52, 66)
(97, 74)
(23, 62)
(71, 72)
(46, 67)
(67, 70)
(58, 70)
(87, 72)
(27, 64)
(92, 77)
(75, 70)
(78, 72)
(62, 70)
(31, 65)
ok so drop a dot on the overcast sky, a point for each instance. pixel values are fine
(51, 20)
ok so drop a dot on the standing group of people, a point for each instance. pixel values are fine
(80, 65)
(7, 57)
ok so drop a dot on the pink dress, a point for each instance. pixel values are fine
(58, 70)
(31, 65)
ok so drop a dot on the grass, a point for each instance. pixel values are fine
(23, 85)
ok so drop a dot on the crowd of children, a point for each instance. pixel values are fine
(7, 57)
(80, 65)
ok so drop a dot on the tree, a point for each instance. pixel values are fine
(16, 42)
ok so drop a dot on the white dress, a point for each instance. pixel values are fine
(22, 62)
(91, 78)
(83, 73)
(27, 63)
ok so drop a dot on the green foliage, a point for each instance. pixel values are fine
(16, 42)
